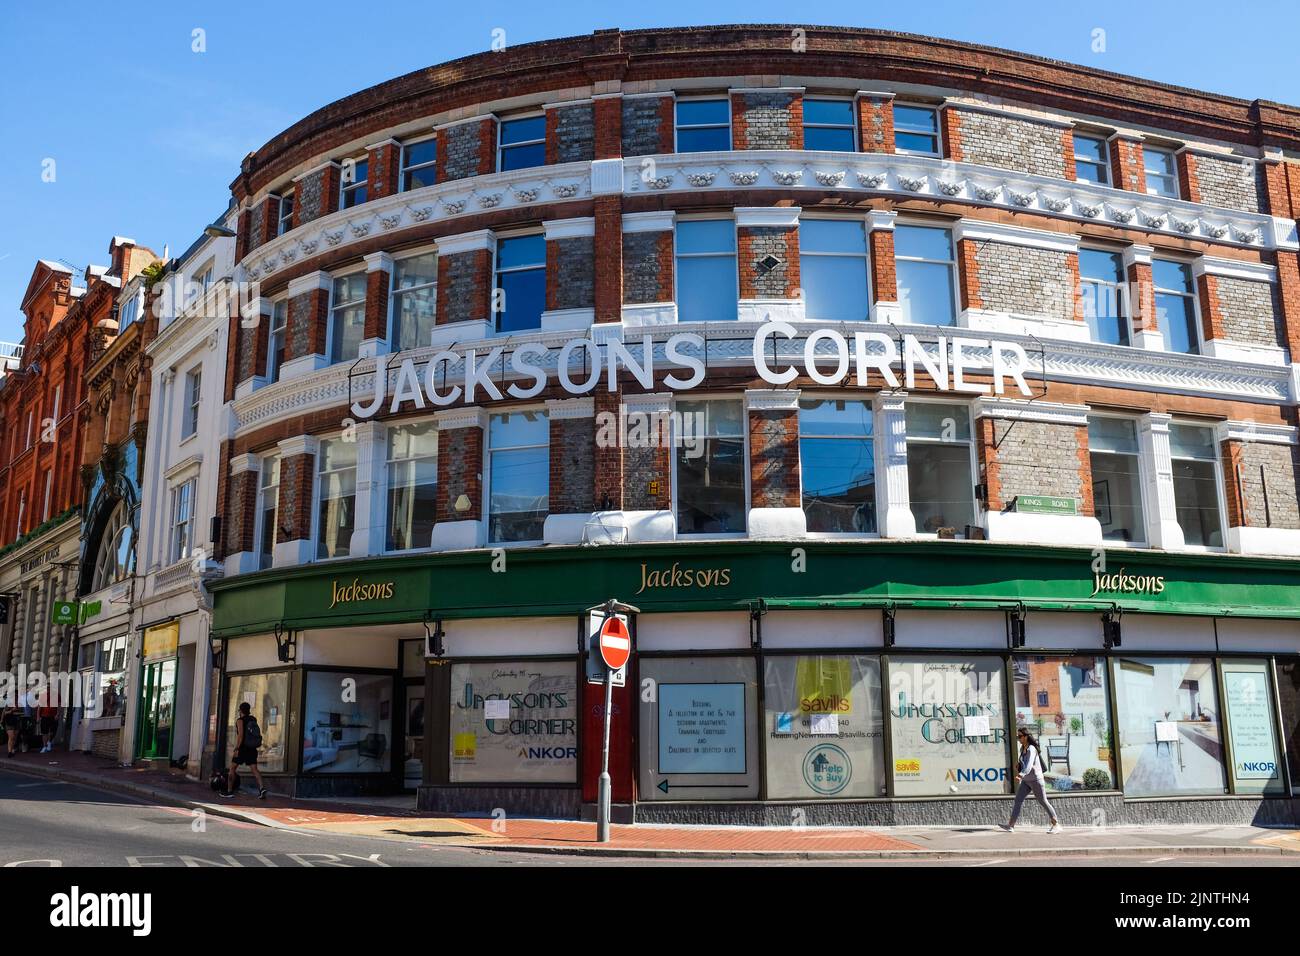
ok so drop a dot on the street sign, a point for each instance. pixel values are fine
(64, 612)
(598, 672)
(615, 642)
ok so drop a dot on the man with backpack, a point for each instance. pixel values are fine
(248, 738)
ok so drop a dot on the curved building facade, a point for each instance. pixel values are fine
(908, 391)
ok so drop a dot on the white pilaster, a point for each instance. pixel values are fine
(893, 496)
(1163, 530)
(372, 480)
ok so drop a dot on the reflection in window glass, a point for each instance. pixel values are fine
(1175, 296)
(823, 727)
(837, 465)
(833, 269)
(523, 143)
(1161, 172)
(939, 466)
(828, 125)
(412, 485)
(711, 468)
(1101, 285)
(419, 164)
(925, 264)
(337, 515)
(347, 317)
(916, 129)
(521, 277)
(415, 293)
(1091, 162)
(353, 186)
(537, 743)
(267, 696)
(1116, 479)
(706, 270)
(347, 727)
(932, 701)
(1252, 740)
(703, 126)
(1168, 727)
(1196, 485)
(110, 664)
(520, 455)
(268, 506)
(1288, 684)
(1063, 701)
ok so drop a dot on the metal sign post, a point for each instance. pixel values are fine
(613, 647)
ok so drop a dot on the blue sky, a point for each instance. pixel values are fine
(147, 134)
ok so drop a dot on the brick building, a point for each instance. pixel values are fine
(862, 366)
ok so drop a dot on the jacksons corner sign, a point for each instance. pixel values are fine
(829, 358)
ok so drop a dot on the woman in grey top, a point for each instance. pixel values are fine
(1029, 777)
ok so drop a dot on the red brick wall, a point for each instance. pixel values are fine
(1067, 153)
(968, 272)
(1085, 472)
(241, 522)
(876, 124)
(1143, 293)
(1282, 186)
(1230, 455)
(774, 459)
(608, 117)
(383, 170)
(884, 271)
(1126, 165)
(1211, 317)
(1188, 186)
(377, 285)
(307, 324)
(667, 124)
(609, 254)
(464, 287)
(460, 471)
(950, 124)
(1288, 296)
(986, 446)
(608, 456)
(297, 478)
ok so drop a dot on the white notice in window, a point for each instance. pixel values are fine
(826, 724)
(496, 710)
(976, 726)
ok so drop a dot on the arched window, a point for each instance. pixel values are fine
(116, 558)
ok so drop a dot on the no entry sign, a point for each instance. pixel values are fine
(615, 642)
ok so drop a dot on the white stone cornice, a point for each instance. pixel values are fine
(184, 468)
(564, 409)
(1125, 134)
(773, 217)
(299, 445)
(1253, 432)
(383, 142)
(766, 89)
(874, 94)
(468, 119)
(315, 169)
(580, 228)
(563, 103)
(1234, 269)
(1198, 150)
(648, 403)
(982, 231)
(378, 262)
(244, 463)
(1136, 256)
(1033, 411)
(881, 220)
(475, 241)
(606, 177)
(449, 419)
(309, 283)
(658, 221)
(771, 399)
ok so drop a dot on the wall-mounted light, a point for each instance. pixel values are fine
(1016, 625)
(1110, 630)
(888, 615)
(434, 638)
(286, 645)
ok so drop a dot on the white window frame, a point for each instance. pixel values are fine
(488, 451)
(1157, 290)
(829, 217)
(335, 306)
(675, 442)
(865, 399)
(403, 168)
(500, 131)
(346, 188)
(264, 468)
(1105, 154)
(725, 97)
(853, 118)
(394, 292)
(284, 223)
(1221, 492)
(973, 457)
(953, 271)
(388, 476)
(938, 128)
(1172, 175)
(193, 402)
(273, 372)
(176, 525)
(1143, 469)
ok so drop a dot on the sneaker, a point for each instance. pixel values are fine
(261, 794)
(1055, 828)
(1005, 827)
(226, 793)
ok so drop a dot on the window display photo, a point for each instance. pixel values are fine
(1064, 703)
(348, 723)
(1252, 738)
(1168, 727)
(948, 726)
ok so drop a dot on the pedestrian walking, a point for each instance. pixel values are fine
(12, 719)
(1030, 779)
(248, 738)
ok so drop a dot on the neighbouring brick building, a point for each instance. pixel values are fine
(908, 390)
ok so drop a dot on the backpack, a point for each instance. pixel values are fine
(252, 732)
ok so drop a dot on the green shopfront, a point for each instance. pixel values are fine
(772, 682)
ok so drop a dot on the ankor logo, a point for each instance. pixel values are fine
(76, 909)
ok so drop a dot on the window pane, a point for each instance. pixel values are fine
(706, 289)
(711, 486)
(719, 419)
(337, 514)
(267, 696)
(411, 441)
(1113, 434)
(1288, 683)
(1090, 148)
(835, 287)
(942, 493)
(1248, 696)
(544, 701)
(1102, 265)
(1117, 497)
(336, 453)
(1158, 161)
(1193, 441)
(525, 300)
(348, 723)
(1168, 727)
(413, 311)
(523, 130)
(523, 157)
(832, 235)
(916, 119)
(706, 235)
(823, 727)
(419, 178)
(1176, 316)
(923, 242)
(839, 484)
(829, 139)
(417, 154)
(916, 142)
(1196, 502)
(834, 417)
(942, 421)
(929, 699)
(1063, 702)
(703, 112)
(1172, 276)
(832, 112)
(925, 293)
(519, 497)
(514, 429)
(521, 251)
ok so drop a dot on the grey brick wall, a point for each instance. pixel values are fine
(1268, 485)
(759, 242)
(573, 284)
(462, 148)
(309, 195)
(1024, 281)
(1249, 311)
(1231, 183)
(298, 330)
(256, 221)
(1036, 458)
(1008, 143)
(641, 125)
(641, 465)
(641, 267)
(575, 133)
(767, 122)
(459, 273)
(573, 466)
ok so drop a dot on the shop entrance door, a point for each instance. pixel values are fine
(157, 707)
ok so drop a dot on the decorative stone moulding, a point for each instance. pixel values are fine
(830, 179)
(1120, 215)
(911, 185)
(1153, 222)
(569, 190)
(490, 200)
(390, 222)
(872, 180)
(454, 207)
(744, 179)
(700, 179)
(787, 177)
(527, 195)
(1055, 204)
(988, 193)
(950, 188)
(1087, 211)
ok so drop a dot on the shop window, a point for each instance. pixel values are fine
(927, 290)
(1176, 310)
(1168, 727)
(336, 516)
(347, 317)
(707, 288)
(111, 667)
(1091, 160)
(523, 143)
(948, 726)
(823, 727)
(833, 269)
(828, 125)
(939, 467)
(352, 191)
(1103, 289)
(1252, 738)
(415, 294)
(711, 464)
(412, 485)
(1070, 716)
(182, 530)
(419, 164)
(916, 129)
(703, 126)
(698, 737)
(275, 344)
(1196, 485)
(514, 722)
(268, 502)
(519, 460)
(837, 466)
(284, 215)
(267, 696)
(347, 727)
(1161, 172)
(1116, 479)
(1288, 685)
(521, 283)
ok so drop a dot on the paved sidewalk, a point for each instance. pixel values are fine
(395, 818)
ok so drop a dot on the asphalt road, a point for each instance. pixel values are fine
(50, 823)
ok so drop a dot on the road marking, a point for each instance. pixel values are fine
(1162, 859)
(989, 862)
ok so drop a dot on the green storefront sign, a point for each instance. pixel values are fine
(708, 576)
(64, 612)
